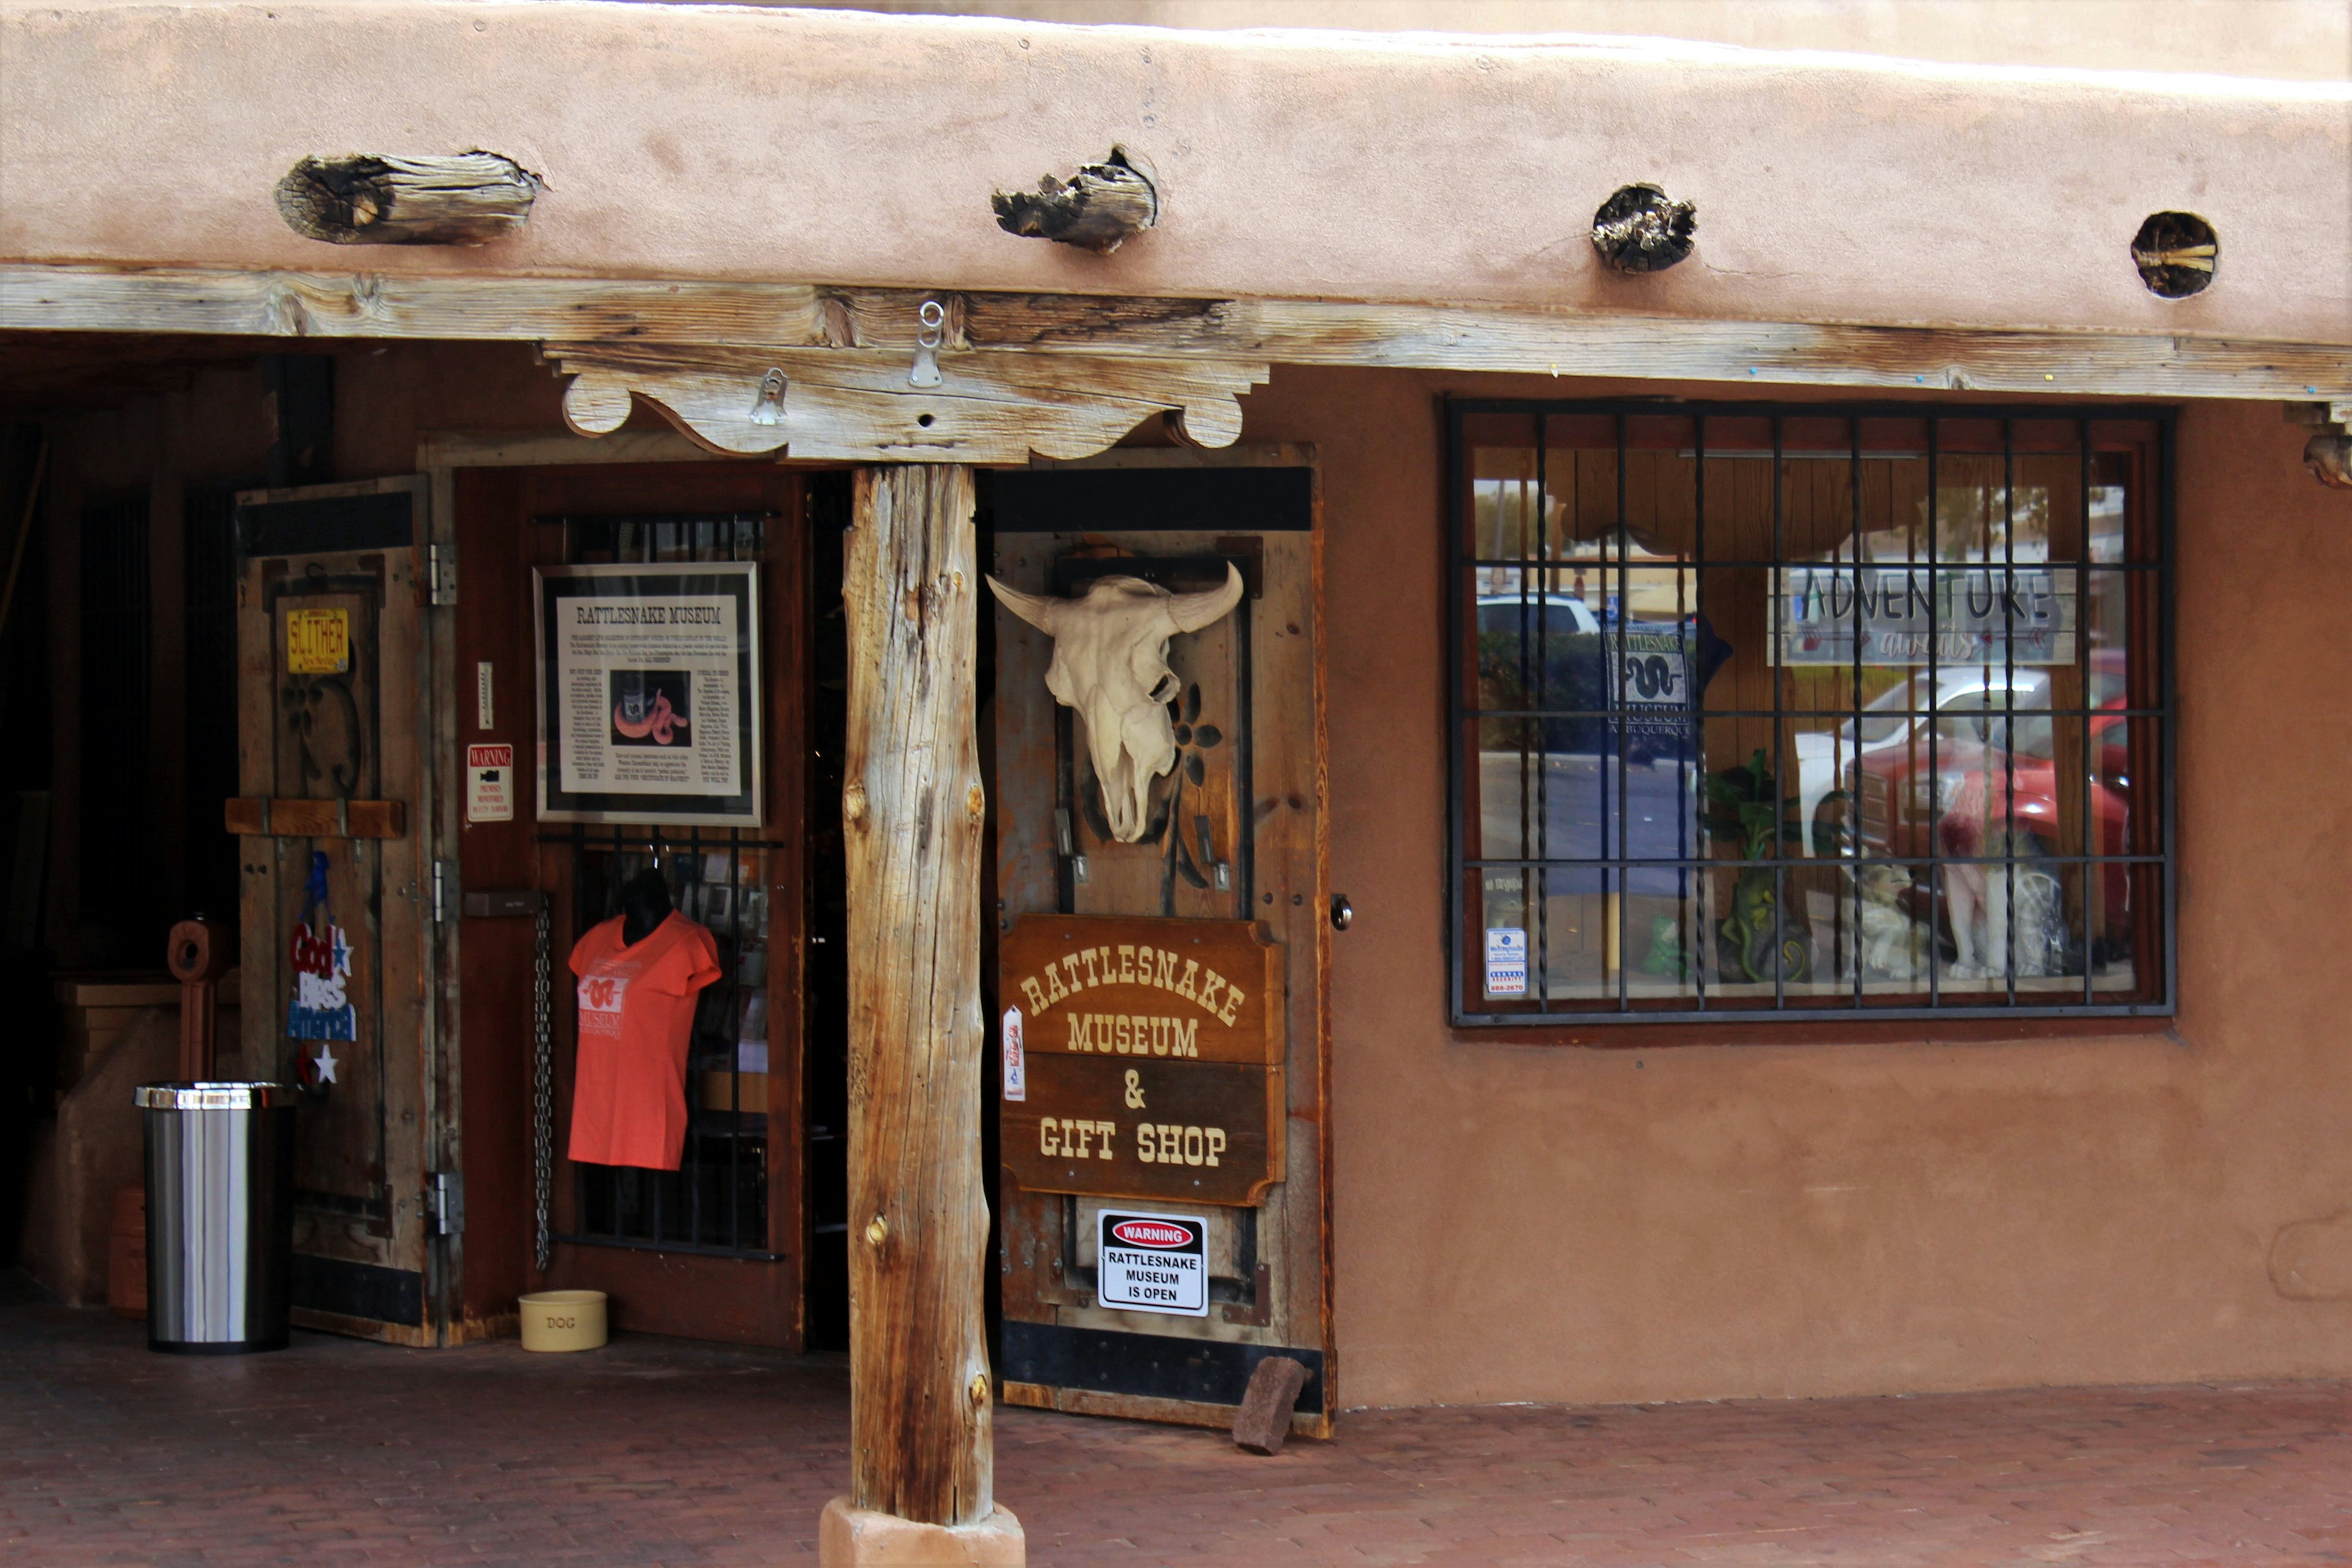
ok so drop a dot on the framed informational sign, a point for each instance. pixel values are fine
(649, 694)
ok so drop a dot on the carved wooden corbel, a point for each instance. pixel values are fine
(991, 407)
(2328, 453)
(363, 199)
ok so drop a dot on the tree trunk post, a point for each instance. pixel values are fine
(912, 814)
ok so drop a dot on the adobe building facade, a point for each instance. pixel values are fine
(2114, 1158)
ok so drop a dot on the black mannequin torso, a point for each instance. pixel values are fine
(644, 904)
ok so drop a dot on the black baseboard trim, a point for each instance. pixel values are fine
(1207, 1372)
(359, 1289)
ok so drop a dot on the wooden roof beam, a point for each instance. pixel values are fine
(764, 316)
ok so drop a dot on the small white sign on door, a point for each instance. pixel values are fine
(1153, 1262)
(1016, 1065)
(489, 784)
(1507, 962)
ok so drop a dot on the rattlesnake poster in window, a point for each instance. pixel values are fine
(649, 702)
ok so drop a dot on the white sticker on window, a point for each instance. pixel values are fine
(1507, 962)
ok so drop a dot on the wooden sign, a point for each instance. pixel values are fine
(1153, 1056)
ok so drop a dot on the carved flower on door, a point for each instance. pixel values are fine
(1193, 856)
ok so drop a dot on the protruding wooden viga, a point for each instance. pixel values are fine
(912, 814)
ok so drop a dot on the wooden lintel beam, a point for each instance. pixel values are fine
(369, 305)
(1466, 338)
(1479, 338)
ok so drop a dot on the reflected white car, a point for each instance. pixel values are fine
(1561, 615)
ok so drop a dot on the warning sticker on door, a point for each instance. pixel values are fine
(489, 784)
(1153, 1262)
(318, 642)
(1507, 962)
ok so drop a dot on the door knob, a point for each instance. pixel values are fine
(1343, 913)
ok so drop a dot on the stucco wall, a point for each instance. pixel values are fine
(1517, 1222)
(2297, 38)
(847, 147)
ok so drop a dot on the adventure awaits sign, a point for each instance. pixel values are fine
(1142, 1057)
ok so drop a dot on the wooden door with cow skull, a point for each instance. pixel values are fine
(1160, 932)
(336, 914)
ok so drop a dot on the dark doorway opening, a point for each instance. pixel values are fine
(122, 901)
(828, 924)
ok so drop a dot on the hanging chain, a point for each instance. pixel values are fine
(542, 1089)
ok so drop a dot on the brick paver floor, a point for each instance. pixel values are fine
(658, 1451)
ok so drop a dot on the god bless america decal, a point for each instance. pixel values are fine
(1153, 1262)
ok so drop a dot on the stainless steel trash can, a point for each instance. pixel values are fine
(220, 1215)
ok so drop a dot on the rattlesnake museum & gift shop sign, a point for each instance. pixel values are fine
(1151, 1058)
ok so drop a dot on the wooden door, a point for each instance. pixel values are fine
(337, 894)
(1184, 1073)
(716, 1249)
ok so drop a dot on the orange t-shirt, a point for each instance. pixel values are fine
(636, 1019)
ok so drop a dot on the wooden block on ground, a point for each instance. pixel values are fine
(1264, 1420)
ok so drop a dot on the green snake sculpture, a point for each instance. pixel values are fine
(1749, 929)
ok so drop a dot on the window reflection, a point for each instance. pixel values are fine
(1804, 712)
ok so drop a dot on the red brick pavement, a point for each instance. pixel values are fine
(657, 1451)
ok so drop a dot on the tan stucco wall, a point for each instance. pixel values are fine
(1525, 1222)
(2302, 39)
(840, 146)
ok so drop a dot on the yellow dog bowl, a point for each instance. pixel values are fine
(563, 1321)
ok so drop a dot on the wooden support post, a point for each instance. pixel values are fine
(912, 813)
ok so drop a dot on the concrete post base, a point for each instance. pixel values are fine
(850, 1537)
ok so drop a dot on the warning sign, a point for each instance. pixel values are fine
(318, 642)
(489, 784)
(1153, 1262)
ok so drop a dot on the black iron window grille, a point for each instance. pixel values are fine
(716, 1202)
(1809, 711)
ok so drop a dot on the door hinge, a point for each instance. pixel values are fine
(444, 1202)
(444, 890)
(441, 573)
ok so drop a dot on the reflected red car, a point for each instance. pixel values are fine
(1989, 764)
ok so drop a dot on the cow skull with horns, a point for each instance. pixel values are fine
(1110, 664)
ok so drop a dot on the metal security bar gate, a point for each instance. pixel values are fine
(716, 1202)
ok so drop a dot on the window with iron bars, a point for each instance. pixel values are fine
(1809, 712)
(716, 1202)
